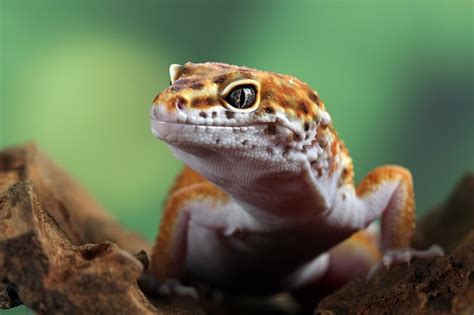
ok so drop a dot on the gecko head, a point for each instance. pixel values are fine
(218, 112)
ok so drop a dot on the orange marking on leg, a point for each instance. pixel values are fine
(403, 224)
(189, 187)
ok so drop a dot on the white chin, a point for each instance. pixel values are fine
(217, 150)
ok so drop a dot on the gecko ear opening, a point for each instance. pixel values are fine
(175, 72)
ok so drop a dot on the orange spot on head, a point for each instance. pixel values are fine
(202, 102)
(221, 79)
(285, 104)
(266, 95)
(285, 90)
(303, 107)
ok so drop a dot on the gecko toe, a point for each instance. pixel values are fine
(404, 256)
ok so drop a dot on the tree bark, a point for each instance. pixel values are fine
(60, 252)
(51, 275)
(80, 217)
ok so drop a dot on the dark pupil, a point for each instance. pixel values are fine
(241, 96)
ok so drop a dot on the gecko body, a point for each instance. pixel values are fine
(267, 201)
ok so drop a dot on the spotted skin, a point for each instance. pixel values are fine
(270, 182)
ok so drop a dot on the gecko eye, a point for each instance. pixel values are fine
(242, 96)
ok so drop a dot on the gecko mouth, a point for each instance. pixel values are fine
(164, 129)
(172, 131)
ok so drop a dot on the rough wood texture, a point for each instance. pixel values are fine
(51, 275)
(81, 218)
(441, 286)
(56, 250)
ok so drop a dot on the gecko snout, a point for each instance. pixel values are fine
(160, 112)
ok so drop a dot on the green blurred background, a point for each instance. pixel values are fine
(78, 77)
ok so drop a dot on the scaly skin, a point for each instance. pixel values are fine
(267, 202)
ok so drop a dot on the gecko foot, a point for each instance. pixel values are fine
(397, 257)
(174, 287)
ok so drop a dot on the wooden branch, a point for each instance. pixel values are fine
(52, 276)
(58, 251)
(442, 286)
(77, 213)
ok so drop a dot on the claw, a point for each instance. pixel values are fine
(396, 257)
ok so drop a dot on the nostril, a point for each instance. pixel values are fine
(181, 103)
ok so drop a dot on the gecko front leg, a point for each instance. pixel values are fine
(388, 191)
(193, 201)
(169, 253)
(398, 214)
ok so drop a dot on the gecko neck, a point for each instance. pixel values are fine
(260, 188)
